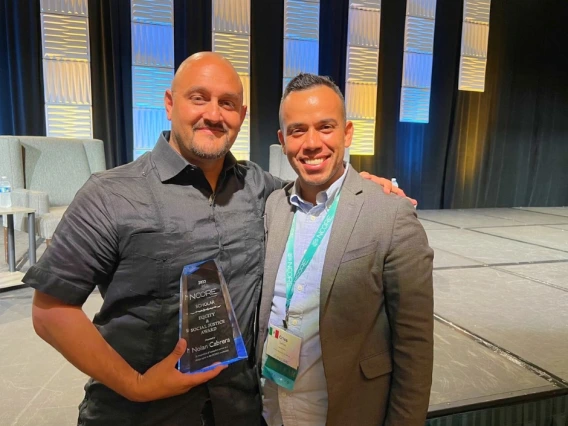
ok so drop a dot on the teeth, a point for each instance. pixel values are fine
(314, 162)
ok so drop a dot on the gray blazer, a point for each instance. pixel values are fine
(376, 305)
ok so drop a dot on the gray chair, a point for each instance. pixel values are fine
(46, 173)
(279, 165)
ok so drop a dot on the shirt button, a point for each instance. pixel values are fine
(312, 218)
(300, 287)
(294, 322)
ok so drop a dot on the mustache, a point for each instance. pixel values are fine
(220, 127)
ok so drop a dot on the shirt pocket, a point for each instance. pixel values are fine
(356, 253)
(376, 365)
(152, 257)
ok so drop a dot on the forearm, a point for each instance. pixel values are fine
(68, 329)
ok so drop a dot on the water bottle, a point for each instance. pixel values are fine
(394, 183)
(5, 193)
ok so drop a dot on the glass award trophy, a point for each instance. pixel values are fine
(207, 319)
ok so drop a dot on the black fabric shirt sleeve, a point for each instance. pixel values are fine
(273, 183)
(84, 250)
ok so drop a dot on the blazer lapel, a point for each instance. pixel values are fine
(347, 214)
(279, 227)
(277, 238)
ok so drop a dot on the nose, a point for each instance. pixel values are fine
(313, 140)
(212, 111)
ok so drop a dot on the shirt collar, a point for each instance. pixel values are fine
(169, 163)
(322, 198)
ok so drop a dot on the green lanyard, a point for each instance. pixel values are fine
(292, 277)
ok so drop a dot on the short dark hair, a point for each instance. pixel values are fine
(305, 81)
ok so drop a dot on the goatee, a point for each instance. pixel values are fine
(208, 155)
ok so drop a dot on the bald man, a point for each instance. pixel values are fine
(129, 232)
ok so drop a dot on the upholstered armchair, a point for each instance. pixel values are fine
(46, 173)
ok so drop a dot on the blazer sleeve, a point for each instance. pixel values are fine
(407, 279)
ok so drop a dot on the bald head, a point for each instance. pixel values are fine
(205, 106)
(205, 59)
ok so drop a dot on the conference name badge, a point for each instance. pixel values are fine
(282, 357)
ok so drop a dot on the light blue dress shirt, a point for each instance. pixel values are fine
(307, 403)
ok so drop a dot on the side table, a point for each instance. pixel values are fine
(9, 213)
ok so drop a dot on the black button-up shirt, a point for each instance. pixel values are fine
(129, 231)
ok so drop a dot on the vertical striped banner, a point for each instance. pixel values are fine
(475, 38)
(417, 65)
(231, 38)
(301, 38)
(361, 72)
(66, 68)
(152, 69)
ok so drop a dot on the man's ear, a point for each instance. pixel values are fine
(243, 113)
(348, 133)
(169, 103)
(282, 141)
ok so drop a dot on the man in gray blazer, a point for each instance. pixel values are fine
(361, 298)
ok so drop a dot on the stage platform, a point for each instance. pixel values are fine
(501, 329)
(501, 310)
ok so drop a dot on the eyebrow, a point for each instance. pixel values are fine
(230, 95)
(294, 125)
(327, 121)
(324, 121)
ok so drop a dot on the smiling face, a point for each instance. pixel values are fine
(314, 136)
(205, 106)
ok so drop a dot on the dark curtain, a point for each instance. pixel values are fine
(509, 145)
(505, 147)
(415, 153)
(266, 69)
(111, 78)
(388, 95)
(22, 110)
(192, 28)
(334, 20)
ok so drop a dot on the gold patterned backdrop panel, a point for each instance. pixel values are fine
(66, 68)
